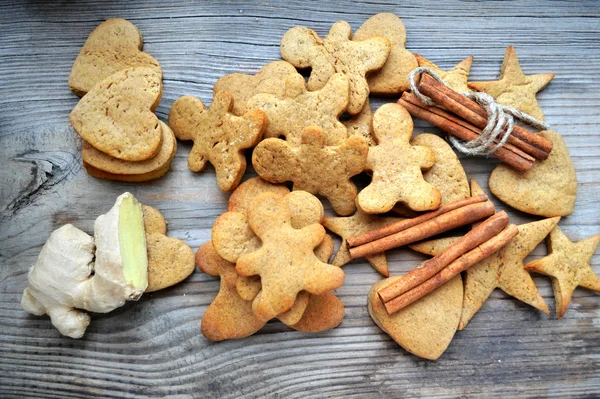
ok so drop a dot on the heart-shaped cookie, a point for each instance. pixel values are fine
(114, 45)
(548, 189)
(426, 327)
(170, 260)
(117, 118)
(103, 166)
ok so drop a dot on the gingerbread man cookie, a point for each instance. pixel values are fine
(397, 166)
(269, 79)
(314, 167)
(298, 109)
(219, 136)
(303, 48)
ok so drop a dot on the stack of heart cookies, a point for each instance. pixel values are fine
(121, 86)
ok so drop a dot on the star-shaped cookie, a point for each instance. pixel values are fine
(514, 88)
(568, 265)
(354, 225)
(456, 78)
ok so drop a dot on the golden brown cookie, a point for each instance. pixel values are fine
(336, 53)
(170, 260)
(305, 210)
(323, 312)
(456, 78)
(229, 316)
(426, 327)
(361, 124)
(392, 78)
(114, 45)
(514, 88)
(354, 225)
(118, 169)
(277, 161)
(447, 173)
(397, 166)
(568, 265)
(548, 189)
(269, 79)
(219, 136)
(153, 220)
(297, 109)
(286, 261)
(116, 116)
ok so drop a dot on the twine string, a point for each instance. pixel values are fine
(501, 118)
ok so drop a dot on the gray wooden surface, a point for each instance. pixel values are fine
(154, 347)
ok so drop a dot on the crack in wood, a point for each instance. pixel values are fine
(49, 169)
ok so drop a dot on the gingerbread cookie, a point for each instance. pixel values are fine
(392, 78)
(514, 88)
(354, 225)
(447, 173)
(286, 261)
(104, 166)
(303, 48)
(170, 260)
(362, 124)
(397, 166)
(323, 312)
(298, 109)
(568, 265)
(116, 116)
(314, 167)
(219, 136)
(269, 79)
(456, 78)
(114, 45)
(548, 189)
(229, 316)
(426, 327)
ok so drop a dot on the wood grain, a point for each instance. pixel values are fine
(154, 347)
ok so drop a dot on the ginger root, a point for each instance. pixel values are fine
(73, 275)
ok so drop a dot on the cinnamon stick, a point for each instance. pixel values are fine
(475, 114)
(453, 269)
(518, 162)
(439, 224)
(477, 236)
(411, 98)
(406, 223)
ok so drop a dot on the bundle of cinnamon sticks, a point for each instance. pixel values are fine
(479, 243)
(465, 119)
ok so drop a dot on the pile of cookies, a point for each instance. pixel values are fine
(120, 86)
(270, 248)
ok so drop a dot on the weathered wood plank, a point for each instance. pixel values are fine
(154, 348)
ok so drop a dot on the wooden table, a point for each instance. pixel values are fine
(154, 347)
